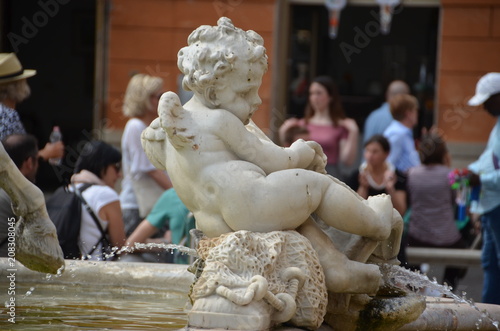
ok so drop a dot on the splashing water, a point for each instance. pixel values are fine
(115, 251)
(28, 293)
(399, 276)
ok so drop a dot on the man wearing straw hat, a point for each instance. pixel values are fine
(32, 240)
(486, 172)
(14, 88)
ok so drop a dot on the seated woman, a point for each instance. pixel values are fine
(99, 165)
(170, 210)
(432, 220)
(376, 175)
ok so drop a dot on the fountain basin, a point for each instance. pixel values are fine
(97, 295)
(125, 295)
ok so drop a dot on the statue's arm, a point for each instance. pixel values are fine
(249, 144)
(253, 128)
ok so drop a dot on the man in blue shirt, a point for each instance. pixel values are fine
(486, 172)
(380, 118)
(403, 155)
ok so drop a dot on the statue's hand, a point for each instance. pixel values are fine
(318, 163)
(153, 142)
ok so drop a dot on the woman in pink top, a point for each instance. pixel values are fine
(327, 124)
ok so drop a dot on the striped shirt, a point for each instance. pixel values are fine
(432, 217)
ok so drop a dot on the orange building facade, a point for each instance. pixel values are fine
(469, 48)
(145, 36)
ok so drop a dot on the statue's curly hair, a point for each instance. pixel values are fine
(212, 51)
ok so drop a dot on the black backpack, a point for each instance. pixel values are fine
(65, 211)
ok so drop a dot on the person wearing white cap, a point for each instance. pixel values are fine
(14, 88)
(486, 172)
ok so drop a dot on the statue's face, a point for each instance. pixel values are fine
(239, 94)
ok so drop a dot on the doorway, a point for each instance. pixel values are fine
(57, 38)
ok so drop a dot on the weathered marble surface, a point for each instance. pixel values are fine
(233, 178)
(36, 244)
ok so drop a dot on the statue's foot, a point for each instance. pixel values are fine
(390, 286)
(382, 206)
(391, 313)
(391, 290)
(37, 246)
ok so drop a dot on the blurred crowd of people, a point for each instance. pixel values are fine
(414, 173)
(100, 166)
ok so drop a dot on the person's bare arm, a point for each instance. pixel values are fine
(398, 197)
(161, 178)
(285, 126)
(142, 234)
(363, 185)
(52, 150)
(113, 214)
(143, 231)
(349, 146)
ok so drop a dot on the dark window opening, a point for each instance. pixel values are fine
(58, 40)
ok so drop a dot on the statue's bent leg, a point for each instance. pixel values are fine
(370, 218)
(284, 199)
(37, 246)
(341, 274)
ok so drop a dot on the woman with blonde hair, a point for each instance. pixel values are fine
(142, 182)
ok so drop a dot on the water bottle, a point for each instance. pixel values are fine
(55, 136)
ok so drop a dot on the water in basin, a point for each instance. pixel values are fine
(80, 307)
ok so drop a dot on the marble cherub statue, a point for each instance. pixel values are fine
(232, 177)
(226, 170)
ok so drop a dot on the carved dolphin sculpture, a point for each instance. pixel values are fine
(36, 244)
